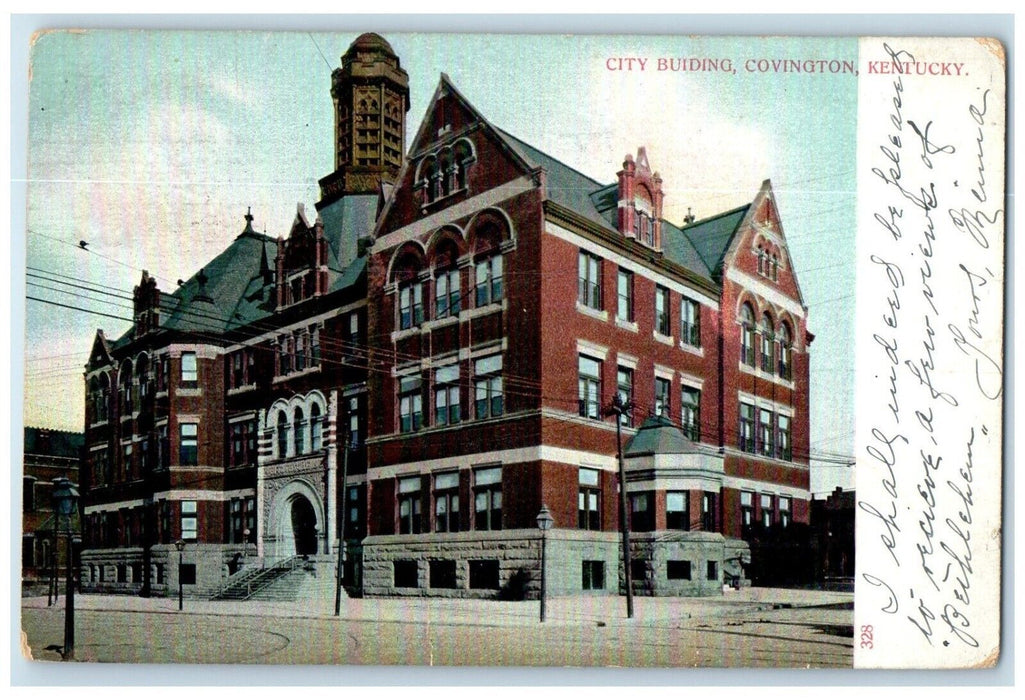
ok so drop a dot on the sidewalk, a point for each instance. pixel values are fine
(572, 610)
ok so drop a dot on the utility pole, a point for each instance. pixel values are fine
(342, 514)
(619, 409)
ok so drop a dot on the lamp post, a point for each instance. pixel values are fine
(180, 546)
(544, 524)
(65, 499)
(245, 546)
(620, 408)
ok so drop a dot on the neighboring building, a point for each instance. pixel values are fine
(832, 526)
(465, 314)
(49, 455)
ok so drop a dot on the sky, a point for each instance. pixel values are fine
(150, 146)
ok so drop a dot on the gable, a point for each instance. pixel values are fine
(759, 248)
(455, 155)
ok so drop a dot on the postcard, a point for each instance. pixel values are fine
(513, 350)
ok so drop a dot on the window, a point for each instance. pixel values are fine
(314, 346)
(298, 431)
(785, 351)
(589, 500)
(747, 512)
(746, 428)
(484, 573)
(446, 502)
(678, 570)
(188, 574)
(768, 512)
(713, 571)
(589, 384)
(638, 569)
(765, 446)
(190, 371)
(642, 513)
(411, 305)
(768, 359)
(625, 390)
(300, 352)
(747, 335)
(589, 280)
(409, 506)
(446, 294)
(662, 388)
(784, 510)
(235, 521)
(188, 450)
(243, 443)
(405, 573)
(708, 511)
(677, 510)
(690, 322)
(442, 573)
(489, 281)
(488, 387)
(285, 354)
(354, 430)
(690, 403)
(662, 311)
(316, 428)
(592, 575)
(410, 404)
(189, 522)
(282, 435)
(126, 462)
(625, 296)
(28, 494)
(446, 395)
(487, 499)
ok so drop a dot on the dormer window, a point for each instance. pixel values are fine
(443, 172)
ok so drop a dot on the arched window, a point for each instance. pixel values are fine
(282, 435)
(142, 376)
(95, 399)
(315, 428)
(785, 342)
(411, 291)
(297, 429)
(446, 281)
(768, 356)
(747, 335)
(124, 389)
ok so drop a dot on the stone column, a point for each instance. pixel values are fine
(331, 497)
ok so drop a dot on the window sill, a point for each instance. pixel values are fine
(627, 325)
(692, 349)
(483, 310)
(664, 339)
(300, 373)
(396, 336)
(767, 376)
(241, 389)
(599, 314)
(439, 201)
(191, 391)
(439, 323)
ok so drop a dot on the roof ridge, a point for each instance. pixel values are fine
(582, 174)
(713, 217)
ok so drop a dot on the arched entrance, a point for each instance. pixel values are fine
(304, 525)
(296, 514)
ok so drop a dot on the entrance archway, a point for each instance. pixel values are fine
(304, 525)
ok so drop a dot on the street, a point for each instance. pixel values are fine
(754, 631)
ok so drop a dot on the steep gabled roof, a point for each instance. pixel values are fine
(710, 238)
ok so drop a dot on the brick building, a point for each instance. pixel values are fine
(48, 455)
(450, 331)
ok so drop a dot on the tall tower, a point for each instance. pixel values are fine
(371, 98)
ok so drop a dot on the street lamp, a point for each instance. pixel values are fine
(180, 546)
(65, 502)
(544, 524)
(245, 546)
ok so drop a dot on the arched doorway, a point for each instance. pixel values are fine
(304, 525)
